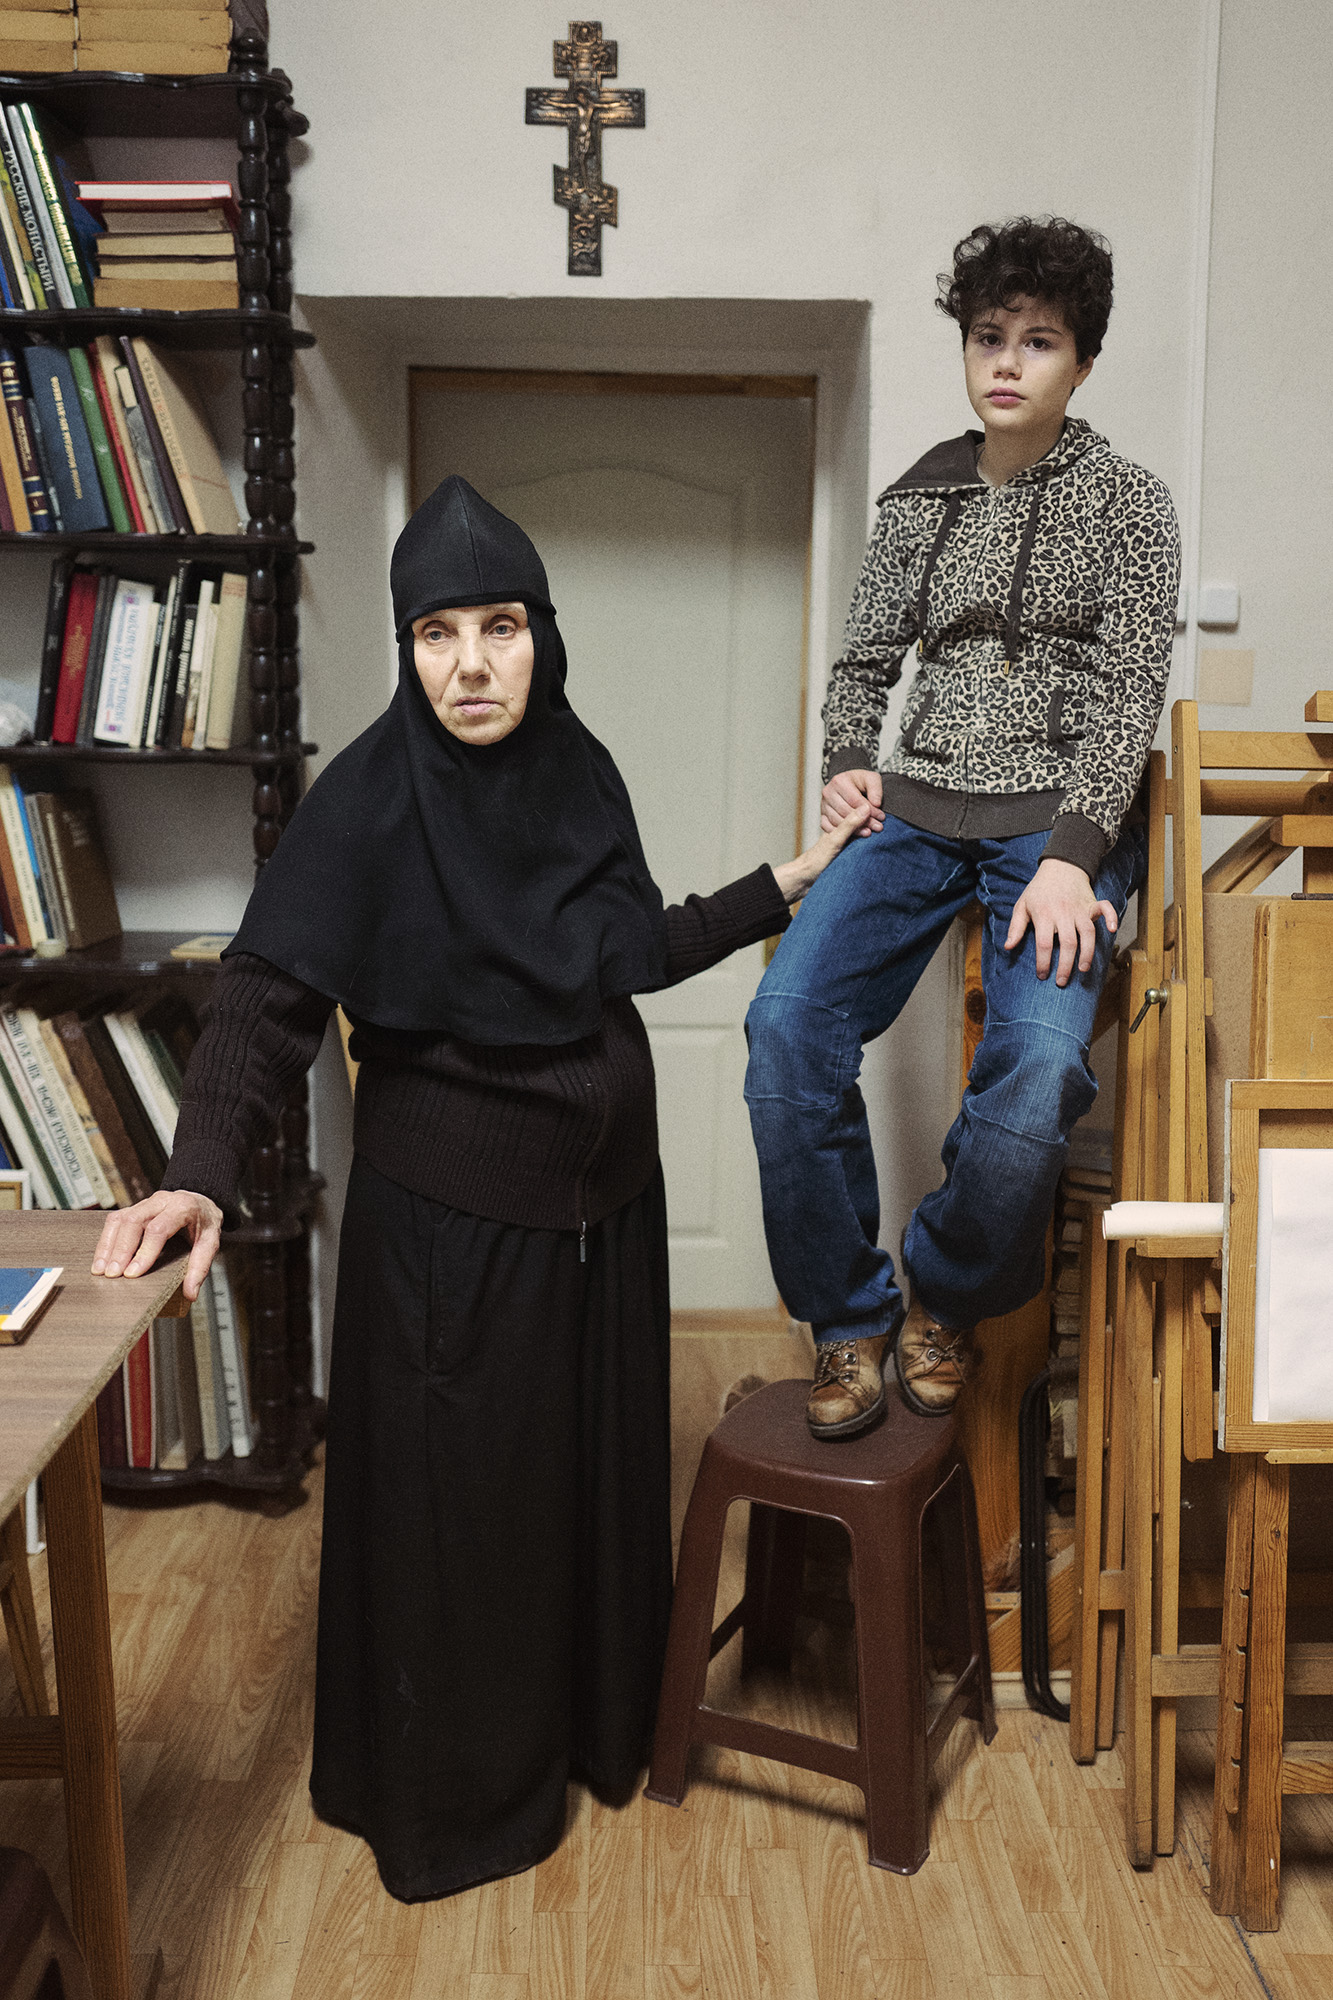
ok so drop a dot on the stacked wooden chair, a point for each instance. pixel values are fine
(1151, 1302)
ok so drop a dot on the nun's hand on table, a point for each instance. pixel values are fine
(133, 1238)
(794, 878)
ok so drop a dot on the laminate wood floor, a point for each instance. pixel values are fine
(758, 1889)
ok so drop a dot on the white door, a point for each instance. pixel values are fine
(674, 533)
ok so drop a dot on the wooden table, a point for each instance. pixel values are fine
(48, 1425)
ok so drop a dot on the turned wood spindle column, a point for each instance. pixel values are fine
(252, 178)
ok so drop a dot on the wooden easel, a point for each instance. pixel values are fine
(1291, 1041)
(1099, 1501)
(1156, 1402)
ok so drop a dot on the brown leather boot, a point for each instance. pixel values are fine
(847, 1394)
(934, 1363)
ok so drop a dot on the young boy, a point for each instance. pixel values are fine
(1037, 573)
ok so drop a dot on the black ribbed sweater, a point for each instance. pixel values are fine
(551, 1138)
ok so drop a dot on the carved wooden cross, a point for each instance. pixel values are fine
(586, 107)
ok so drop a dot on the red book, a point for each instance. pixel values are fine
(139, 1399)
(113, 435)
(74, 655)
(98, 195)
(7, 915)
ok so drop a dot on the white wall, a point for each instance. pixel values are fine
(804, 173)
(803, 176)
(791, 152)
(1268, 463)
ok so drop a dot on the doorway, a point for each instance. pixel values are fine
(673, 514)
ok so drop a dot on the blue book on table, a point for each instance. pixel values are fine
(24, 1290)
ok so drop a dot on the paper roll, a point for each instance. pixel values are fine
(1161, 1218)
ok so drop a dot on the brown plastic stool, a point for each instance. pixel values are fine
(880, 1487)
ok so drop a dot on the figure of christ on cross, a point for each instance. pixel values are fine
(586, 107)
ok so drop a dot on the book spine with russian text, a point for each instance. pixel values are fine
(30, 472)
(16, 242)
(55, 207)
(45, 295)
(176, 507)
(53, 645)
(54, 279)
(108, 472)
(34, 417)
(73, 465)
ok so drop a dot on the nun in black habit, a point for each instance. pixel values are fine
(466, 879)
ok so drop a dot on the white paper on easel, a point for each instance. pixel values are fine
(1293, 1318)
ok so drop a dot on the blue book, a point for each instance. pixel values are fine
(24, 1290)
(84, 227)
(69, 449)
(51, 930)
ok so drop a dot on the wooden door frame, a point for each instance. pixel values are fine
(617, 382)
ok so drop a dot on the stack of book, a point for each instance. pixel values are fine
(183, 1391)
(89, 1100)
(154, 40)
(55, 886)
(106, 436)
(142, 664)
(166, 244)
(47, 234)
(36, 35)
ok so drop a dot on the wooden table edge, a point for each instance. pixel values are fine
(165, 1282)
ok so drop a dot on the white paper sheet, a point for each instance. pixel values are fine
(1293, 1301)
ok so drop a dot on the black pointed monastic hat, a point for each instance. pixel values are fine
(458, 549)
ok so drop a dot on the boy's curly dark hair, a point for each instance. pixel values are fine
(1042, 257)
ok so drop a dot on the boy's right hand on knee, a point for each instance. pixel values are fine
(845, 793)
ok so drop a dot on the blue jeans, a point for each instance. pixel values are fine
(861, 940)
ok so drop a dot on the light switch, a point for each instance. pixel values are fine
(1219, 606)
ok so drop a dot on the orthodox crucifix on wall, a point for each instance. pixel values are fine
(587, 108)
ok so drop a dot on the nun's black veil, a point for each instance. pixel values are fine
(497, 892)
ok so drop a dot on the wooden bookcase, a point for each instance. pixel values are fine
(251, 105)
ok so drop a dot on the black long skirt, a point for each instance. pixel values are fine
(495, 1581)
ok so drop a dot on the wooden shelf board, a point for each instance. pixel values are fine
(128, 102)
(134, 954)
(201, 546)
(108, 753)
(173, 329)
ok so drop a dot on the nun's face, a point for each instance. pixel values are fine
(475, 663)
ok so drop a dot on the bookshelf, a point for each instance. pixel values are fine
(251, 107)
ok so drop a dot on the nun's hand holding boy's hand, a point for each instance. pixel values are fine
(132, 1238)
(794, 878)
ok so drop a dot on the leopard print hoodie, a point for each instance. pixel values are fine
(1043, 612)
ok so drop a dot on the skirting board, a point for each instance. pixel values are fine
(1009, 1691)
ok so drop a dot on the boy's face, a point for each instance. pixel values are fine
(475, 663)
(1022, 367)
